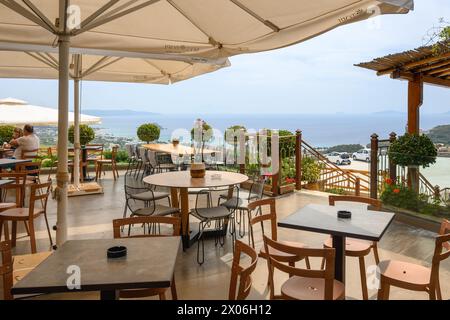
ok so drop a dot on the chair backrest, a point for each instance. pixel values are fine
(271, 216)
(256, 189)
(114, 151)
(18, 185)
(295, 254)
(143, 154)
(152, 158)
(373, 202)
(6, 269)
(129, 150)
(31, 168)
(39, 192)
(29, 154)
(441, 252)
(241, 280)
(175, 222)
(98, 151)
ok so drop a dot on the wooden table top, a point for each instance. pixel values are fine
(364, 224)
(8, 162)
(175, 150)
(149, 263)
(182, 179)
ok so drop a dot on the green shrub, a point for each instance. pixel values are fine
(413, 150)
(149, 132)
(6, 133)
(122, 155)
(87, 134)
(311, 169)
(338, 191)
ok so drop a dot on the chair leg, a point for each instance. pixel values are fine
(26, 228)
(383, 291)
(308, 264)
(375, 253)
(32, 236)
(438, 289)
(48, 230)
(162, 296)
(6, 228)
(13, 233)
(173, 289)
(362, 270)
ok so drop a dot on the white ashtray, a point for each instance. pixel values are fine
(216, 176)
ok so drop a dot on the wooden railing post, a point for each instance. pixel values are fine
(298, 159)
(437, 193)
(374, 166)
(392, 165)
(358, 187)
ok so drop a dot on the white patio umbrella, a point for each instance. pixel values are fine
(18, 112)
(44, 65)
(200, 29)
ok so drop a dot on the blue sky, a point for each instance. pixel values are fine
(316, 76)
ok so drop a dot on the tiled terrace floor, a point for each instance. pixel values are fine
(90, 218)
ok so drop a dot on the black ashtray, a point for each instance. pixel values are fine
(344, 214)
(117, 252)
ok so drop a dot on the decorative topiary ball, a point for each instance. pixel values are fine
(413, 150)
(87, 134)
(149, 132)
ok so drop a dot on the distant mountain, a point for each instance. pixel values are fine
(388, 112)
(116, 113)
(440, 134)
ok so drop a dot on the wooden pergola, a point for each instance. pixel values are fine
(430, 65)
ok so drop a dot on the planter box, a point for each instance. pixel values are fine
(312, 186)
(287, 188)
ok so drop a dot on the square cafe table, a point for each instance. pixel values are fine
(149, 263)
(5, 163)
(364, 224)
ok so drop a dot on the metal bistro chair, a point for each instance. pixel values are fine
(415, 277)
(112, 162)
(136, 191)
(131, 158)
(241, 280)
(175, 223)
(219, 215)
(303, 284)
(356, 247)
(240, 203)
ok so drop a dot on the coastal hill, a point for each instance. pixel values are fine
(440, 134)
(117, 112)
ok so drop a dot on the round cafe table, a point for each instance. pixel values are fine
(181, 181)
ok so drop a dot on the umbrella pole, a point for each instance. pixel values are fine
(76, 133)
(62, 176)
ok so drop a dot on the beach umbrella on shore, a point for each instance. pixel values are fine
(18, 112)
(200, 29)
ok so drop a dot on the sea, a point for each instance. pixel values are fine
(319, 130)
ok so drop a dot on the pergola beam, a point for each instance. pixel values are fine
(412, 65)
(441, 82)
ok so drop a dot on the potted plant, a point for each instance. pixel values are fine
(413, 151)
(149, 132)
(311, 172)
(87, 134)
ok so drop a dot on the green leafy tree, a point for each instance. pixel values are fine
(349, 148)
(207, 134)
(6, 133)
(413, 150)
(149, 132)
(310, 170)
(87, 134)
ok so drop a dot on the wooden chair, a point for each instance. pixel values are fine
(355, 247)
(19, 187)
(272, 217)
(13, 269)
(303, 284)
(27, 215)
(416, 277)
(118, 225)
(29, 154)
(241, 279)
(112, 162)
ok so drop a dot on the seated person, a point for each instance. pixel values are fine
(17, 133)
(28, 142)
